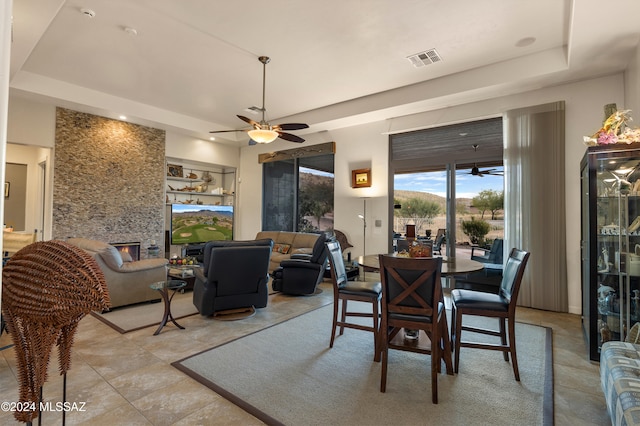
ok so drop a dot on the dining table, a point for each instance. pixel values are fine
(450, 266)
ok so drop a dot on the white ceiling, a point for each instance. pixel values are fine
(193, 65)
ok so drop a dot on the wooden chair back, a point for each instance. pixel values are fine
(411, 288)
(412, 299)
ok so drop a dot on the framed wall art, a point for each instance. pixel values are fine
(361, 178)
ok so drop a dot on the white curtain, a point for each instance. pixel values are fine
(535, 201)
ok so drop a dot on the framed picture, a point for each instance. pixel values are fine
(361, 178)
(6, 190)
(174, 170)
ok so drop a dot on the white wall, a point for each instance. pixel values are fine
(632, 85)
(362, 146)
(31, 138)
(31, 123)
(5, 58)
(193, 149)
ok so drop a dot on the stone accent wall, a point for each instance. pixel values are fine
(108, 181)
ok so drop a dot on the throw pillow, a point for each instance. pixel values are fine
(126, 257)
(634, 334)
(282, 248)
(111, 257)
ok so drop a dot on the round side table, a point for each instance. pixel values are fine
(163, 288)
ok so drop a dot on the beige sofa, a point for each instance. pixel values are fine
(13, 242)
(287, 243)
(128, 282)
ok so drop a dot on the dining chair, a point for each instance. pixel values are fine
(437, 245)
(412, 299)
(501, 306)
(345, 290)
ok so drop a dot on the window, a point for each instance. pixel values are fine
(298, 192)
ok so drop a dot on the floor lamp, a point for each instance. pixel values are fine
(363, 216)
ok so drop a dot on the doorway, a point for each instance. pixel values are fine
(15, 196)
(28, 207)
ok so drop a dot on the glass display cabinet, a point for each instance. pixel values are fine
(610, 243)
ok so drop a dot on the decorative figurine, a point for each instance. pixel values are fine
(605, 261)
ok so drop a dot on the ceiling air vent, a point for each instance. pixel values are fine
(424, 58)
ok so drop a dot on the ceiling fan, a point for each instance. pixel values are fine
(263, 132)
(475, 171)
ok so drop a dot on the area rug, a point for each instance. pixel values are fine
(143, 315)
(286, 374)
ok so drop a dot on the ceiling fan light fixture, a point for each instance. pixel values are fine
(263, 135)
(263, 132)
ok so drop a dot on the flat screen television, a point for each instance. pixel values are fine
(199, 223)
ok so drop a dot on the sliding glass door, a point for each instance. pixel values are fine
(480, 204)
(421, 199)
(443, 178)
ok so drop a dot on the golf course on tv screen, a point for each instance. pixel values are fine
(192, 224)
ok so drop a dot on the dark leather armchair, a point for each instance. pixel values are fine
(493, 255)
(301, 274)
(440, 239)
(234, 275)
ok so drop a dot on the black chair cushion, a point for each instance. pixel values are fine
(359, 287)
(479, 300)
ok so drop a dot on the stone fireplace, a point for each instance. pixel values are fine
(108, 181)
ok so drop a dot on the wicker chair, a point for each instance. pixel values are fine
(47, 288)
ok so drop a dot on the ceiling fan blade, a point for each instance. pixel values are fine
(291, 138)
(290, 126)
(492, 172)
(252, 142)
(225, 131)
(248, 120)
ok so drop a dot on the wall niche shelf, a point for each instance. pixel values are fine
(189, 182)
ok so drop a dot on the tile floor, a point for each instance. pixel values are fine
(127, 379)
